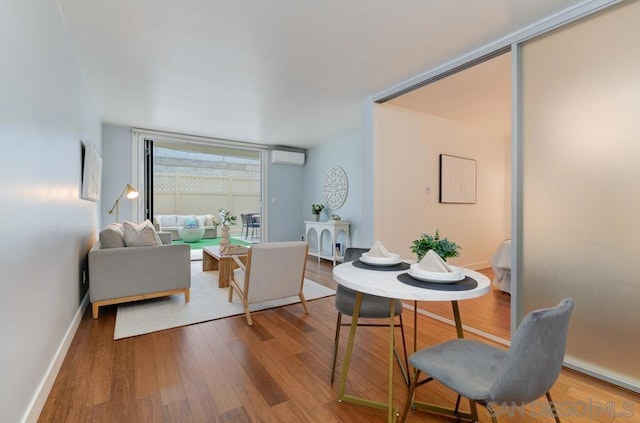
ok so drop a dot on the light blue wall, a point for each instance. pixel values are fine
(116, 154)
(47, 229)
(351, 153)
(285, 202)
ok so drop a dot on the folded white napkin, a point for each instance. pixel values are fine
(378, 250)
(432, 262)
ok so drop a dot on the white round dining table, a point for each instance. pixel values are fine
(384, 283)
(395, 283)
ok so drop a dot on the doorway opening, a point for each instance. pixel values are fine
(190, 179)
(474, 99)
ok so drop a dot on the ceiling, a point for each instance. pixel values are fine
(479, 96)
(277, 72)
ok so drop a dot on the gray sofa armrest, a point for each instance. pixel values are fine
(130, 271)
(165, 237)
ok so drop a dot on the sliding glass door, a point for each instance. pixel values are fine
(579, 232)
(190, 178)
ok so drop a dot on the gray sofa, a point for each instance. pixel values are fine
(118, 275)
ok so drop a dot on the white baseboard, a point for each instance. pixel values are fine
(478, 266)
(602, 374)
(42, 393)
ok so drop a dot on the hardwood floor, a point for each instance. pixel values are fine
(276, 371)
(489, 313)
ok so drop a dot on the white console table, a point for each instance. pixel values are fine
(334, 228)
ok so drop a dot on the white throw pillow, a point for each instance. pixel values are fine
(140, 235)
(180, 220)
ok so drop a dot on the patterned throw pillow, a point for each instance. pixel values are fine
(140, 235)
(190, 222)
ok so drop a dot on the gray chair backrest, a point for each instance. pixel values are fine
(353, 254)
(350, 254)
(533, 362)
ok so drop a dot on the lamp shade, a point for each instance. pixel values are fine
(130, 192)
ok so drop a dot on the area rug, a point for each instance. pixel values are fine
(208, 302)
(196, 247)
(209, 242)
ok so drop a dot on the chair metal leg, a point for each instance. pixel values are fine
(404, 369)
(412, 389)
(553, 408)
(492, 413)
(335, 347)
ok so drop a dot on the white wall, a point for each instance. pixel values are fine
(407, 149)
(45, 112)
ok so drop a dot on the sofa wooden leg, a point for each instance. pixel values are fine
(94, 310)
(187, 295)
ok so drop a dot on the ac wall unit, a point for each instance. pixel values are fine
(287, 157)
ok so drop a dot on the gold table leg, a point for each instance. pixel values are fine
(472, 416)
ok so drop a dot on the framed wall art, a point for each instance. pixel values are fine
(457, 180)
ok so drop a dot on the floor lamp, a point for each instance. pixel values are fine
(131, 194)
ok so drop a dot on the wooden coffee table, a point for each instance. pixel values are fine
(213, 259)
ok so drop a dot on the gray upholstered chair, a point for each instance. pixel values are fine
(372, 307)
(487, 375)
(274, 270)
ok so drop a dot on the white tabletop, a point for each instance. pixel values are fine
(384, 283)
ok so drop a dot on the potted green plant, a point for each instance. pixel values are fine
(226, 219)
(316, 209)
(441, 246)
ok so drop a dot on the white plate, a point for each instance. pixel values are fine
(439, 277)
(392, 260)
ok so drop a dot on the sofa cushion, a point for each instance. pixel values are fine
(180, 220)
(167, 220)
(112, 236)
(202, 219)
(140, 235)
